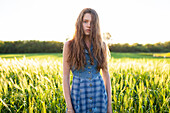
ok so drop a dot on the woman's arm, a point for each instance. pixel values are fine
(66, 77)
(107, 82)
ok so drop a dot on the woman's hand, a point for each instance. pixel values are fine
(70, 111)
(109, 109)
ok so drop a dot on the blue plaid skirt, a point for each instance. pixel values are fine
(88, 96)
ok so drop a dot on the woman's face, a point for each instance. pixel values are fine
(86, 23)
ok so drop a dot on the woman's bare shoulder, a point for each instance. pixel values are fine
(66, 43)
(66, 46)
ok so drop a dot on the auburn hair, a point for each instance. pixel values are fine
(76, 54)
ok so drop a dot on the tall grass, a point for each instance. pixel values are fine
(29, 85)
(140, 86)
(35, 85)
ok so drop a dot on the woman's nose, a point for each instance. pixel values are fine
(88, 25)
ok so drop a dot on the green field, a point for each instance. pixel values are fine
(33, 83)
(59, 55)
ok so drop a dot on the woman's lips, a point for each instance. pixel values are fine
(88, 30)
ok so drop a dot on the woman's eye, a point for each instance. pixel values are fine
(85, 21)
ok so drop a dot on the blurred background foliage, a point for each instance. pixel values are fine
(36, 46)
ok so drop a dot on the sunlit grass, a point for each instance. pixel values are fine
(162, 55)
(34, 84)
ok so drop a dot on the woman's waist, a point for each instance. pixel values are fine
(87, 75)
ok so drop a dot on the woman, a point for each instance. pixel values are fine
(85, 55)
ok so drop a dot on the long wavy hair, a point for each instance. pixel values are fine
(76, 55)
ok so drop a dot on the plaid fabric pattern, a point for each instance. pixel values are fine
(89, 96)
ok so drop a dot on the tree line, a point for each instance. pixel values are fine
(31, 46)
(157, 47)
(35, 46)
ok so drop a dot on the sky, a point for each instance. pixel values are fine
(128, 21)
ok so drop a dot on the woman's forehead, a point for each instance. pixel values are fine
(87, 16)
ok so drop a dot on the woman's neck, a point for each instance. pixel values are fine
(87, 41)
